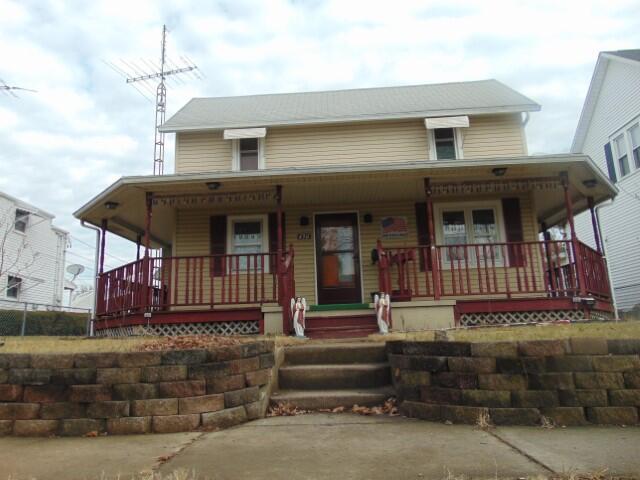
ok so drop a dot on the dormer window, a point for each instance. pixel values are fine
(445, 137)
(247, 148)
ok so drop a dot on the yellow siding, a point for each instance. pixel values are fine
(198, 152)
(192, 238)
(339, 144)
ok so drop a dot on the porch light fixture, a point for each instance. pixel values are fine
(213, 185)
(499, 171)
(110, 205)
(590, 183)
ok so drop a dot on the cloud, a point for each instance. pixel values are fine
(86, 127)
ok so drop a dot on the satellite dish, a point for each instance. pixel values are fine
(75, 270)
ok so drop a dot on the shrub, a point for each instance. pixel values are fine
(54, 323)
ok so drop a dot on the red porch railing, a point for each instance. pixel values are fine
(154, 284)
(544, 268)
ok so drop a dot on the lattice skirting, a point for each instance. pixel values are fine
(505, 318)
(601, 316)
(251, 327)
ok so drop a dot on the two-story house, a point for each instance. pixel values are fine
(425, 192)
(32, 255)
(609, 132)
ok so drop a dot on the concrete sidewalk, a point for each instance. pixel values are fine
(323, 446)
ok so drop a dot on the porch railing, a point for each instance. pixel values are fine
(544, 268)
(155, 284)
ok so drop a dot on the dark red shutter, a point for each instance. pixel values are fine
(273, 236)
(610, 166)
(218, 241)
(513, 228)
(422, 227)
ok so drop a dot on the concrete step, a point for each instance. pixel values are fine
(341, 353)
(320, 399)
(346, 331)
(322, 319)
(334, 376)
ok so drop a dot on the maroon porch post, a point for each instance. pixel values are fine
(594, 224)
(103, 235)
(138, 242)
(435, 278)
(282, 294)
(146, 270)
(574, 239)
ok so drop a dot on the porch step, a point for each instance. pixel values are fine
(342, 353)
(341, 326)
(335, 376)
(316, 400)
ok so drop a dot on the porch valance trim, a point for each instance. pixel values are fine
(235, 133)
(495, 187)
(447, 122)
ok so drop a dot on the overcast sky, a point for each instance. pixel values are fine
(85, 127)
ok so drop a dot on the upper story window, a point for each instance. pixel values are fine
(21, 220)
(13, 286)
(445, 136)
(445, 143)
(248, 153)
(247, 148)
(623, 152)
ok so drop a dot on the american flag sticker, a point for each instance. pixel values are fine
(394, 227)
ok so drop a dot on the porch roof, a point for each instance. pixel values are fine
(352, 183)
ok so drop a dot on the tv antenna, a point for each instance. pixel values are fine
(166, 70)
(8, 89)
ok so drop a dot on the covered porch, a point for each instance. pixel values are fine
(471, 241)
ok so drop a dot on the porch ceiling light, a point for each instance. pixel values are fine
(110, 205)
(499, 171)
(590, 183)
(213, 185)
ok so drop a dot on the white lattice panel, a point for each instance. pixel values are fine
(215, 328)
(601, 316)
(505, 318)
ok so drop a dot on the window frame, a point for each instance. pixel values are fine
(26, 216)
(17, 286)
(235, 149)
(632, 163)
(457, 143)
(468, 208)
(264, 228)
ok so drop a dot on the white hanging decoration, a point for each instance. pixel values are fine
(382, 305)
(298, 309)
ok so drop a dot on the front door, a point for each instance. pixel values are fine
(338, 258)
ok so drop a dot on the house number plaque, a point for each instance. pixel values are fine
(304, 236)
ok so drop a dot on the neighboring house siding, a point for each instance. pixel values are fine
(42, 261)
(617, 104)
(371, 142)
(192, 236)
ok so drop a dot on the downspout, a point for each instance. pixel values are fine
(95, 276)
(526, 119)
(604, 253)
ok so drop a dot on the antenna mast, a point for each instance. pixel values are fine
(8, 89)
(134, 74)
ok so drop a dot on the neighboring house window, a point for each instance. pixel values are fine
(621, 155)
(634, 134)
(246, 236)
(466, 224)
(13, 286)
(21, 221)
(248, 154)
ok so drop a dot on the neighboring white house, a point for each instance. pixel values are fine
(609, 132)
(32, 254)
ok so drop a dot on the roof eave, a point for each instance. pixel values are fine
(532, 107)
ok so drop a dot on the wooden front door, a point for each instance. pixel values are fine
(338, 258)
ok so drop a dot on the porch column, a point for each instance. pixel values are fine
(282, 294)
(435, 278)
(103, 235)
(594, 224)
(146, 264)
(138, 242)
(147, 228)
(564, 178)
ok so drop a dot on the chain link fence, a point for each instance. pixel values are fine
(25, 318)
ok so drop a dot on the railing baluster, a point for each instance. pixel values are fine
(466, 268)
(504, 252)
(261, 277)
(237, 278)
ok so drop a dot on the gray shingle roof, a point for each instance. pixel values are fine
(628, 54)
(484, 96)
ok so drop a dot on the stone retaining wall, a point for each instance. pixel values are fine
(138, 392)
(568, 382)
